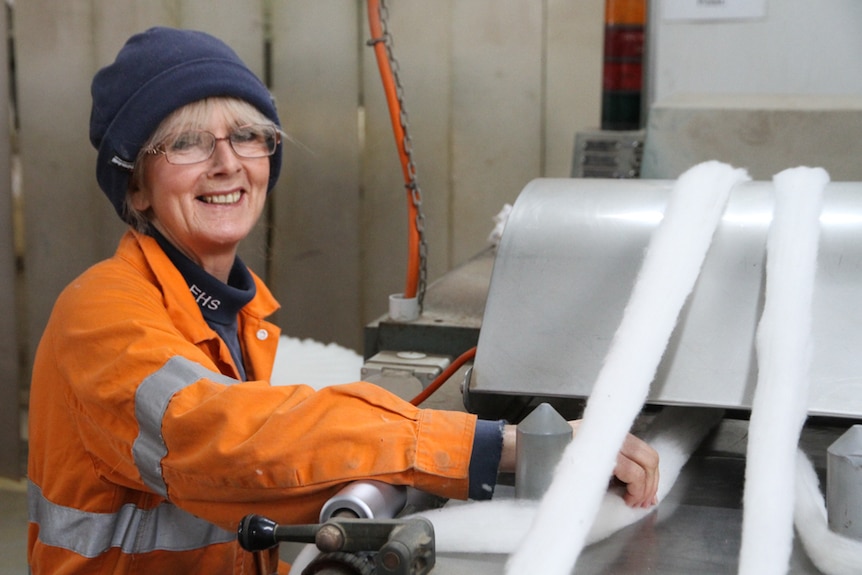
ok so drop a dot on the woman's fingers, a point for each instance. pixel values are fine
(637, 468)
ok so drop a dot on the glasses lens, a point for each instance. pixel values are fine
(189, 147)
(256, 141)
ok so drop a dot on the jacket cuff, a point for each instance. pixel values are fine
(485, 458)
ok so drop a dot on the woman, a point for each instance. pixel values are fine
(153, 427)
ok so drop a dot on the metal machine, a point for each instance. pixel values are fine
(542, 308)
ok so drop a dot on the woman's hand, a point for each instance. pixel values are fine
(636, 468)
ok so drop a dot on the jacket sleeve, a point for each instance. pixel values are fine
(155, 414)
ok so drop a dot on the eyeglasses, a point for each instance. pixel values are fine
(194, 146)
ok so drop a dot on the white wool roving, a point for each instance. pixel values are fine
(829, 551)
(780, 400)
(314, 363)
(500, 525)
(670, 268)
(675, 434)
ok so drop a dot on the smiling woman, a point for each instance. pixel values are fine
(154, 427)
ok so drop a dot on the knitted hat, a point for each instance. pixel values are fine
(155, 73)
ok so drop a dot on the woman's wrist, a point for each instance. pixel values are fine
(507, 456)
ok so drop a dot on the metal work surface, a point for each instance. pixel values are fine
(568, 260)
(697, 528)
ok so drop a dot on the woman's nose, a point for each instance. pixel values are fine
(223, 155)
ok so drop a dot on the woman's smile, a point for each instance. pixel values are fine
(221, 198)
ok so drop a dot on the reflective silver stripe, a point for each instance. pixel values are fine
(133, 530)
(151, 402)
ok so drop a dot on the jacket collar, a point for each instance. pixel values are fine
(145, 251)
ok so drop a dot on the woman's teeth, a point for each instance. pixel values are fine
(230, 198)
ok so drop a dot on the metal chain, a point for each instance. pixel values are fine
(413, 182)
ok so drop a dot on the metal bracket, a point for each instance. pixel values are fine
(400, 547)
(422, 366)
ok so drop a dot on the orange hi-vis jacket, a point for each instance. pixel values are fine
(146, 450)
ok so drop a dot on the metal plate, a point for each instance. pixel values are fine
(568, 259)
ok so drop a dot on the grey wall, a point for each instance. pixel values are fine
(800, 47)
(9, 368)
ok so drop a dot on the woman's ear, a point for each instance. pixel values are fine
(138, 197)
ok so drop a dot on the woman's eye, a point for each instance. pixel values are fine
(186, 141)
(245, 135)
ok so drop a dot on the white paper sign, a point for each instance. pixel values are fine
(713, 9)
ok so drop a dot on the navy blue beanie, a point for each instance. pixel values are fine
(155, 73)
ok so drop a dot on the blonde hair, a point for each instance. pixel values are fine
(189, 117)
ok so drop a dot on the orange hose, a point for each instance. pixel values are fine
(389, 88)
(443, 377)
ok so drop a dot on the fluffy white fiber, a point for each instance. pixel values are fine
(830, 552)
(500, 525)
(671, 266)
(314, 363)
(784, 355)
(500, 221)
(675, 434)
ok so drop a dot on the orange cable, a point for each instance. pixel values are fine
(389, 88)
(443, 377)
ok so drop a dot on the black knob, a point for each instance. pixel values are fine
(256, 533)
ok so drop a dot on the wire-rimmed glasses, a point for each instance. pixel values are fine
(194, 146)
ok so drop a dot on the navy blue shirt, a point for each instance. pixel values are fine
(219, 302)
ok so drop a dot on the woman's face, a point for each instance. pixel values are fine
(205, 209)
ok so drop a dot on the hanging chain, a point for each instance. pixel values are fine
(413, 183)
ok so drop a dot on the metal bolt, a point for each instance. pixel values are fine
(391, 560)
(329, 538)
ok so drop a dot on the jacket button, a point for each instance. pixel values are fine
(262, 334)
